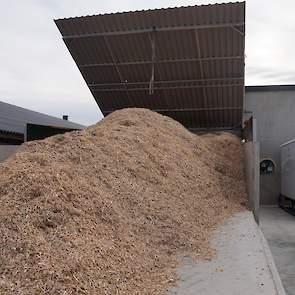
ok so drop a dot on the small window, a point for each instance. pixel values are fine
(267, 167)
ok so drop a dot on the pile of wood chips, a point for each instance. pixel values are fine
(110, 209)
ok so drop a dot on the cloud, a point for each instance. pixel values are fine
(269, 42)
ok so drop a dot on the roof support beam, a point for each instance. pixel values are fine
(159, 29)
(115, 64)
(167, 82)
(196, 32)
(153, 47)
(212, 129)
(199, 53)
(143, 62)
(238, 31)
(197, 109)
(159, 72)
(190, 110)
(167, 88)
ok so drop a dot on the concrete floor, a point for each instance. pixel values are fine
(243, 265)
(278, 228)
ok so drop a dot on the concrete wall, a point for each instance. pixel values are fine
(251, 150)
(7, 150)
(274, 111)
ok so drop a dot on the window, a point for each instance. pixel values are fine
(267, 167)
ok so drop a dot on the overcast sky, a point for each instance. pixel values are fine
(37, 71)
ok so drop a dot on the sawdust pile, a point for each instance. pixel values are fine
(108, 210)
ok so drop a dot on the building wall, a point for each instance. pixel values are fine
(6, 151)
(14, 119)
(274, 111)
(251, 151)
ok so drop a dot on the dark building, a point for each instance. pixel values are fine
(13, 126)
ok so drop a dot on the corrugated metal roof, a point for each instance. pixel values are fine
(198, 61)
(14, 119)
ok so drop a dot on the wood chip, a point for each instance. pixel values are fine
(108, 210)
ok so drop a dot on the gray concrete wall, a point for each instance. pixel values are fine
(275, 115)
(251, 150)
(7, 150)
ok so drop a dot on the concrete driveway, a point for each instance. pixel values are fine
(243, 264)
(278, 228)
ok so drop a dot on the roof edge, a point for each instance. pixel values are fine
(39, 113)
(144, 10)
(262, 88)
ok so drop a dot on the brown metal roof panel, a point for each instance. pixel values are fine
(212, 42)
(130, 47)
(172, 71)
(179, 71)
(89, 51)
(100, 75)
(224, 69)
(123, 99)
(175, 44)
(226, 99)
(136, 73)
(203, 119)
(179, 97)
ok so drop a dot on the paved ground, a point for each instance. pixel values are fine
(278, 228)
(243, 264)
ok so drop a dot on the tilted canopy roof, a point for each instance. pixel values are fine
(187, 62)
